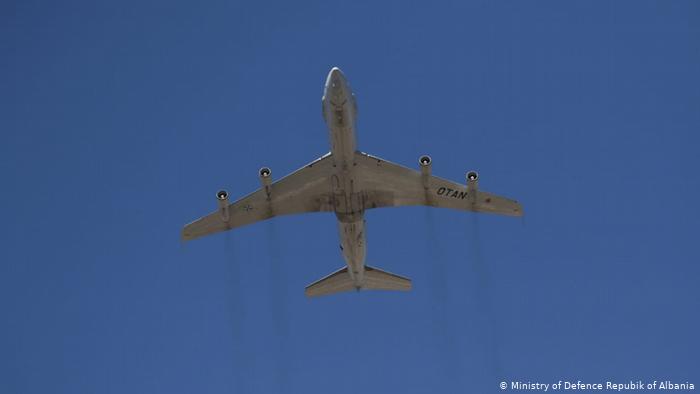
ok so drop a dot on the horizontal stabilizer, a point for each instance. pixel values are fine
(382, 280)
(340, 281)
(336, 282)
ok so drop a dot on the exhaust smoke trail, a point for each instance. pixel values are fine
(444, 333)
(484, 299)
(278, 307)
(237, 315)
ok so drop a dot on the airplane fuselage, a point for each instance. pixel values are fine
(346, 182)
(340, 112)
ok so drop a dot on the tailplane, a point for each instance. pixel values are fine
(382, 280)
(340, 281)
(336, 282)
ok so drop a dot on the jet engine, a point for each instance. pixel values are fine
(426, 167)
(426, 164)
(472, 182)
(222, 199)
(266, 179)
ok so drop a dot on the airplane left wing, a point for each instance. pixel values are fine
(390, 185)
(305, 190)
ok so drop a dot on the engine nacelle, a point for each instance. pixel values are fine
(426, 167)
(426, 164)
(222, 199)
(265, 176)
(472, 183)
(265, 179)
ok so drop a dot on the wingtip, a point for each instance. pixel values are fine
(518, 210)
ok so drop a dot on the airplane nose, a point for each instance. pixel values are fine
(336, 78)
(336, 86)
(336, 73)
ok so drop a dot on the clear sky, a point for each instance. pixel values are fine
(119, 122)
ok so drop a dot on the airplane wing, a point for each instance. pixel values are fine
(391, 185)
(305, 190)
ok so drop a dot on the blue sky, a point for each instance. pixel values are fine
(119, 122)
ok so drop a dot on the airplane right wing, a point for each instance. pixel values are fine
(305, 190)
(390, 185)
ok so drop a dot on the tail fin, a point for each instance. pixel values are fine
(340, 280)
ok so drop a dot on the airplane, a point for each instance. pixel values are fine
(348, 182)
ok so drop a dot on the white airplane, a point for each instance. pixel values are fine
(348, 182)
